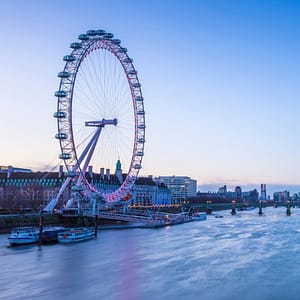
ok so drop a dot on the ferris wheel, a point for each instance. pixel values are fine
(100, 114)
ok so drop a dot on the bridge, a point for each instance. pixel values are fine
(209, 206)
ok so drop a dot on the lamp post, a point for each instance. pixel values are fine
(233, 210)
(208, 207)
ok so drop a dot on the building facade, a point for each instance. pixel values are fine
(181, 187)
(21, 190)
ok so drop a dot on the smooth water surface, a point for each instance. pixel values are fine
(245, 256)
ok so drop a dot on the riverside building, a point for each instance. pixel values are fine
(21, 189)
(181, 187)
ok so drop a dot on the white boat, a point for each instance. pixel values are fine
(24, 235)
(75, 235)
(199, 216)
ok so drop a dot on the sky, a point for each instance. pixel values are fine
(220, 81)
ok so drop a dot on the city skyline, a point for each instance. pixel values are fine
(220, 82)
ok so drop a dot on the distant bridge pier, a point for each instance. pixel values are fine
(260, 212)
(233, 209)
(208, 207)
(288, 208)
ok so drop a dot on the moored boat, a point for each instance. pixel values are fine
(75, 235)
(199, 216)
(30, 235)
(49, 234)
(23, 236)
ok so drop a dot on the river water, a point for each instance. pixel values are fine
(245, 256)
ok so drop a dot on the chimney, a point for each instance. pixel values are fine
(102, 173)
(108, 174)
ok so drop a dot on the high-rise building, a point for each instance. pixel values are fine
(263, 192)
(180, 187)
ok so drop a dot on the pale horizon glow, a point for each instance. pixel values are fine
(220, 81)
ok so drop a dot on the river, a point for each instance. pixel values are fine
(245, 256)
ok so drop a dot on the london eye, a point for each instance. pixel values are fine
(100, 115)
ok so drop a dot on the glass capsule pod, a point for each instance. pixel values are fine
(61, 94)
(64, 74)
(69, 58)
(100, 32)
(75, 45)
(108, 35)
(139, 98)
(91, 32)
(83, 37)
(59, 114)
(65, 156)
(61, 136)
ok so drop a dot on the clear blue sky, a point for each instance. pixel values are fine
(220, 81)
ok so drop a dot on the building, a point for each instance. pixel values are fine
(224, 196)
(20, 190)
(263, 192)
(281, 196)
(222, 190)
(181, 187)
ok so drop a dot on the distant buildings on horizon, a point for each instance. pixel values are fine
(21, 188)
(38, 188)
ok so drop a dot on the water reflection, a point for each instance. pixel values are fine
(221, 258)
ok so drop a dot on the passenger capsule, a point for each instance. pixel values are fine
(100, 32)
(59, 114)
(117, 41)
(65, 156)
(83, 37)
(61, 94)
(69, 58)
(140, 112)
(137, 166)
(141, 140)
(64, 74)
(108, 35)
(136, 85)
(61, 136)
(132, 72)
(139, 153)
(75, 45)
(142, 126)
(139, 98)
(128, 60)
(91, 32)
